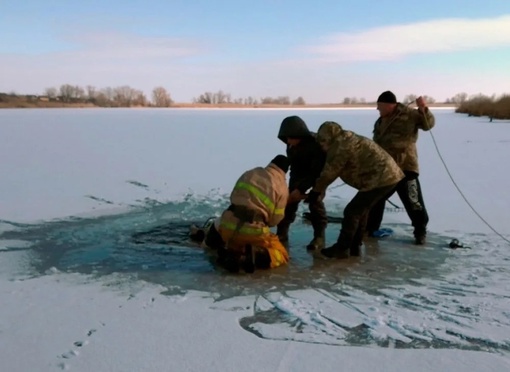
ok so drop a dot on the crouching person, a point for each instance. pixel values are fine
(363, 165)
(242, 235)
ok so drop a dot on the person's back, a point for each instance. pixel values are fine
(257, 203)
(261, 191)
(357, 160)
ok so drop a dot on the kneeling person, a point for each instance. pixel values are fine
(241, 235)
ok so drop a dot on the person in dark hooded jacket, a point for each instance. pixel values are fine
(306, 159)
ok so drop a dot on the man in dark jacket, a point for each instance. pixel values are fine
(306, 159)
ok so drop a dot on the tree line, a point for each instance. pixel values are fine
(126, 96)
(481, 105)
(220, 97)
(123, 96)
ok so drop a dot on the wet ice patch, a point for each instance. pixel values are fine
(11, 244)
(441, 313)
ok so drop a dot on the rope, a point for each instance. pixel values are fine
(462, 194)
(394, 205)
(395, 208)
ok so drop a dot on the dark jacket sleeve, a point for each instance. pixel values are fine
(317, 159)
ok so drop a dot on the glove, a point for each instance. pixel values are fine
(312, 197)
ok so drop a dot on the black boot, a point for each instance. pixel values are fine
(283, 233)
(335, 251)
(231, 264)
(249, 261)
(420, 236)
(319, 241)
(420, 239)
(355, 250)
(316, 244)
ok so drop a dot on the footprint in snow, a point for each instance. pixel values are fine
(74, 352)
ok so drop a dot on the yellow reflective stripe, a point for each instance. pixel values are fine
(259, 194)
(245, 229)
(279, 211)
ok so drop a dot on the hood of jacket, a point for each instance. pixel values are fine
(293, 127)
(328, 132)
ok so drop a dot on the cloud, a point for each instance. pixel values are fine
(114, 45)
(106, 59)
(112, 48)
(397, 41)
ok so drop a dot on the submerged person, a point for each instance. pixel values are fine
(306, 159)
(363, 165)
(241, 235)
(396, 131)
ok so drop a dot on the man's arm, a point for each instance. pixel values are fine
(334, 163)
(318, 158)
(423, 117)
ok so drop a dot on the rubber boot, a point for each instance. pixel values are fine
(355, 250)
(231, 264)
(283, 233)
(420, 236)
(249, 262)
(335, 251)
(318, 242)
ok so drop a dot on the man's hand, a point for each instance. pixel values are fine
(312, 197)
(295, 197)
(420, 102)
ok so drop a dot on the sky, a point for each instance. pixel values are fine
(322, 51)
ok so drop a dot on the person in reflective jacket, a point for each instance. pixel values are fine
(242, 233)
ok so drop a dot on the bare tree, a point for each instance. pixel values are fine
(410, 98)
(300, 101)
(459, 98)
(207, 98)
(139, 98)
(429, 99)
(125, 96)
(66, 92)
(219, 97)
(52, 93)
(160, 97)
(91, 92)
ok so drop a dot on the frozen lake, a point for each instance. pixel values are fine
(113, 191)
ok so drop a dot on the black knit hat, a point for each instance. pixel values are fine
(387, 97)
(281, 162)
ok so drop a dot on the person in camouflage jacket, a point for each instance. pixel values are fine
(396, 131)
(363, 165)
